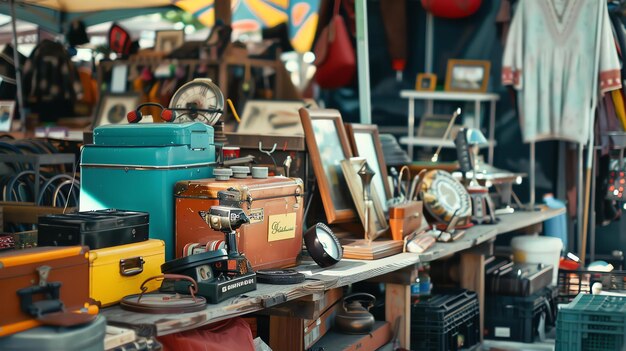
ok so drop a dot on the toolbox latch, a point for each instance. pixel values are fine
(235, 197)
(298, 194)
(131, 266)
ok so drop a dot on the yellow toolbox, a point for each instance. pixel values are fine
(118, 271)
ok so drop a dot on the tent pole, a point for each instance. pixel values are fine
(363, 62)
(18, 70)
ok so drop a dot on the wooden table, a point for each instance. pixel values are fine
(344, 273)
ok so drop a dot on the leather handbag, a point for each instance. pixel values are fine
(335, 57)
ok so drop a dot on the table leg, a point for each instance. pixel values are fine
(411, 120)
(286, 333)
(472, 270)
(398, 308)
(476, 123)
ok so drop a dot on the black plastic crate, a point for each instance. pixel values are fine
(571, 283)
(447, 320)
(517, 318)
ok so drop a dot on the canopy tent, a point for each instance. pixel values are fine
(55, 15)
(27, 33)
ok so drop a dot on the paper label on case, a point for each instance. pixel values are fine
(281, 227)
(256, 215)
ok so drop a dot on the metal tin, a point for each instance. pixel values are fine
(222, 173)
(240, 172)
(260, 172)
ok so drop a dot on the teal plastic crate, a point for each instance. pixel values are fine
(592, 323)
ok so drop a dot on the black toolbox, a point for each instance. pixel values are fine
(503, 277)
(519, 318)
(96, 229)
(447, 320)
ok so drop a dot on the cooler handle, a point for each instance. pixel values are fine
(131, 266)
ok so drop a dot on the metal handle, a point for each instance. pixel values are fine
(361, 298)
(404, 170)
(131, 266)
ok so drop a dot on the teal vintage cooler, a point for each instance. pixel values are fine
(135, 167)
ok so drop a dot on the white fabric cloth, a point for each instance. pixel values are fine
(556, 53)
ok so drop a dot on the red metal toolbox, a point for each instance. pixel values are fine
(275, 205)
(47, 279)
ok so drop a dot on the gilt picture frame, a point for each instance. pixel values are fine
(467, 75)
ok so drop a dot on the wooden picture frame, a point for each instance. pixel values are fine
(426, 82)
(271, 117)
(7, 111)
(467, 75)
(365, 142)
(112, 108)
(327, 144)
(377, 222)
(165, 41)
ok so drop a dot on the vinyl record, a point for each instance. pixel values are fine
(157, 303)
(279, 276)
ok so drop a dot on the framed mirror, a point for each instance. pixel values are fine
(365, 143)
(327, 144)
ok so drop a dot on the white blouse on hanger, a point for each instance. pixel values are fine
(551, 59)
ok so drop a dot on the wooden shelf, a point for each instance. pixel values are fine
(318, 280)
(448, 95)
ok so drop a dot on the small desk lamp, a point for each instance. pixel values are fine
(483, 210)
(475, 139)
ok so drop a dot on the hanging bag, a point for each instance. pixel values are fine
(334, 55)
(451, 8)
